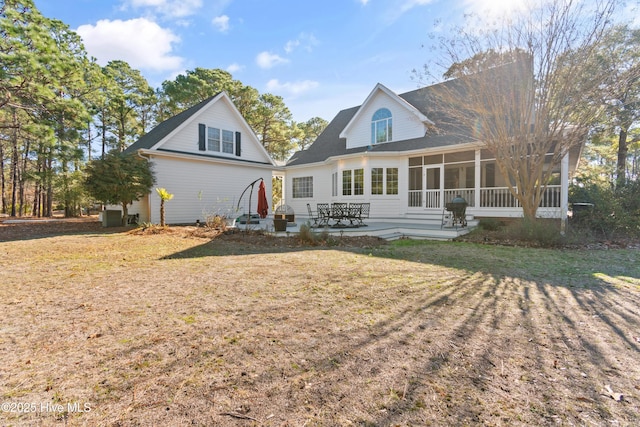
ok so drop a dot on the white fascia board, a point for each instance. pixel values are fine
(193, 157)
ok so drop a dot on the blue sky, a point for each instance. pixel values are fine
(320, 56)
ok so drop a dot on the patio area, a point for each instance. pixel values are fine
(416, 227)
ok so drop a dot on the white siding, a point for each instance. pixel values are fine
(406, 124)
(321, 187)
(382, 206)
(201, 188)
(220, 115)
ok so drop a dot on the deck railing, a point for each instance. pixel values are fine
(501, 197)
(490, 197)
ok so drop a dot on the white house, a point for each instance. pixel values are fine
(408, 159)
(206, 156)
(398, 152)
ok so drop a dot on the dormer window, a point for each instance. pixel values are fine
(381, 126)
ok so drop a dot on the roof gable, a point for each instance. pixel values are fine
(168, 135)
(165, 128)
(381, 89)
(442, 133)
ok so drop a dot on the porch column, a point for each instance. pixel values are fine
(476, 180)
(564, 193)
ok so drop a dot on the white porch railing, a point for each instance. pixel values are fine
(490, 197)
(501, 197)
(415, 198)
(497, 197)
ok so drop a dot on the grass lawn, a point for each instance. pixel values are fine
(119, 329)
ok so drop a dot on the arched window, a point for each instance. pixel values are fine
(381, 126)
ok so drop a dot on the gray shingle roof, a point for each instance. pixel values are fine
(329, 144)
(165, 128)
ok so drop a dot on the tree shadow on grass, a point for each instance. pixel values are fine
(34, 229)
(514, 336)
(562, 342)
(499, 350)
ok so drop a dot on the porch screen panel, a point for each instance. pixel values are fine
(415, 187)
(433, 179)
(470, 178)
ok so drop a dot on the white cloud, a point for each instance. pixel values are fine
(269, 60)
(410, 4)
(307, 41)
(221, 23)
(291, 45)
(140, 42)
(364, 2)
(292, 88)
(169, 8)
(495, 8)
(394, 10)
(235, 67)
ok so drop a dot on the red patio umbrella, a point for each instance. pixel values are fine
(263, 206)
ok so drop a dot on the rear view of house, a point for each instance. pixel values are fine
(408, 158)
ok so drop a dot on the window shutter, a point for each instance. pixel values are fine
(238, 144)
(202, 137)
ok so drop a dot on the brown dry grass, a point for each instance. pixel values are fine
(172, 329)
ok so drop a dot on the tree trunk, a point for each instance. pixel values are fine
(125, 214)
(14, 168)
(162, 223)
(22, 178)
(36, 199)
(3, 199)
(48, 211)
(103, 131)
(621, 166)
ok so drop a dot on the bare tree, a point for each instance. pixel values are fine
(516, 90)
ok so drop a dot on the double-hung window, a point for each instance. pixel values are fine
(227, 141)
(381, 126)
(302, 187)
(392, 180)
(353, 182)
(346, 182)
(221, 140)
(381, 181)
(377, 181)
(213, 139)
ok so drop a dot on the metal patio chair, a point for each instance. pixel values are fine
(313, 216)
(324, 214)
(339, 211)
